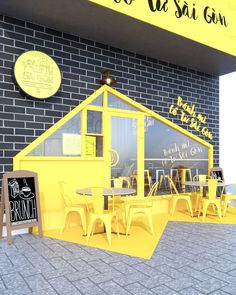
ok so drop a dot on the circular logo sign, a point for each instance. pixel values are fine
(37, 74)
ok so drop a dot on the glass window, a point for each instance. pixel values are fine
(168, 151)
(94, 122)
(115, 102)
(65, 141)
(98, 101)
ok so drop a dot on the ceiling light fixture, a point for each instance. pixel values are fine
(107, 79)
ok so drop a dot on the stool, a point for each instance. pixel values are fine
(174, 175)
(185, 173)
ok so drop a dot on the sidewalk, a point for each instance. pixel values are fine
(191, 258)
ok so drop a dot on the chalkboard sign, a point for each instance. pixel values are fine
(217, 173)
(20, 198)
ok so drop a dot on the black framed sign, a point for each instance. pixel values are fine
(20, 199)
(217, 173)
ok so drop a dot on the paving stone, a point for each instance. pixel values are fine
(163, 290)
(102, 267)
(48, 291)
(63, 286)
(2, 287)
(232, 273)
(210, 286)
(123, 267)
(181, 283)
(107, 277)
(86, 272)
(37, 282)
(138, 289)
(147, 270)
(15, 282)
(155, 281)
(16, 292)
(201, 276)
(203, 264)
(226, 266)
(173, 273)
(124, 280)
(220, 292)
(112, 288)
(190, 291)
(86, 286)
(219, 275)
(230, 288)
(19, 260)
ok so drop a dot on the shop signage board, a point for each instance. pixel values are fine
(211, 23)
(37, 74)
(20, 199)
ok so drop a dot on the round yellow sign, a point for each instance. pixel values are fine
(37, 74)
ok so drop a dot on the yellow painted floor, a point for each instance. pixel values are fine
(140, 242)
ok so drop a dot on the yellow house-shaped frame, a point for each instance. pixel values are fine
(106, 136)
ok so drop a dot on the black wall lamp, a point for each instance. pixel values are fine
(107, 79)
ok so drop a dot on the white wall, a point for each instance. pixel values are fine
(228, 126)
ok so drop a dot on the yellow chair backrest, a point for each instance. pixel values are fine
(172, 185)
(153, 189)
(118, 182)
(98, 199)
(212, 189)
(201, 178)
(64, 191)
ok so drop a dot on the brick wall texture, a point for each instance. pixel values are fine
(151, 82)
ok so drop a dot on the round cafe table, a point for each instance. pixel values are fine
(108, 192)
(203, 184)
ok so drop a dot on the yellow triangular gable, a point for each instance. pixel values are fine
(105, 90)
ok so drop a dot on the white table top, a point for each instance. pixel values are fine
(108, 191)
(197, 183)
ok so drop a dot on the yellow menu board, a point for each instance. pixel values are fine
(210, 22)
(90, 146)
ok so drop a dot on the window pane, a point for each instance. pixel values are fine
(98, 101)
(115, 102)
(94, 122)
(167, 151)
(65, 141)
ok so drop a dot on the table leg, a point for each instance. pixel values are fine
(106, 202)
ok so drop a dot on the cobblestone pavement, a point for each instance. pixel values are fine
(191, 258)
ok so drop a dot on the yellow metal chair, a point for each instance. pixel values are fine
(69, 206)
(176, 196)
(120, 181)
(141, 207)
(199, 194)
(226, 198)
(99, 213)
(119, 203)
(147, 178)
(211, 199)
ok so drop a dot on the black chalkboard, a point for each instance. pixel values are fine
(20, 199)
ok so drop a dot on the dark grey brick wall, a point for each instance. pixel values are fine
(153, 83)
